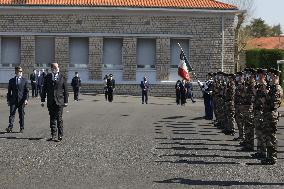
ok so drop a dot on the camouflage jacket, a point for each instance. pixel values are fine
(273, 98)
(230, 92)
(260, 96)
(239, 94)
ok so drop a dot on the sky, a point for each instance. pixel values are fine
(272, 11)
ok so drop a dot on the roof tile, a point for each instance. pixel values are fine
(191, 4)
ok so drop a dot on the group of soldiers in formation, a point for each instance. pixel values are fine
(248, 99)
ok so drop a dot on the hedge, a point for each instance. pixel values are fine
(263, 58)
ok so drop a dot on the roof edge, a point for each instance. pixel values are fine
(115, 8)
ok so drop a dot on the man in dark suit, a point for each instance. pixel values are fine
(34, 80)
(55, 89)
(76, 84)
(40, 81)
(145, 87)
(17, 98)
(110, 87)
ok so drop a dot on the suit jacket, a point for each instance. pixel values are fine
(17, 94)
(144, 85)
(76, 82)
(34, 78)
(111, 83)
(55, 91)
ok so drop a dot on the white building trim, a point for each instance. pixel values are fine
(96, 35)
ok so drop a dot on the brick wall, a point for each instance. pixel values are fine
(27, 54)
(95, 58)
(205, 41)
(129, 58)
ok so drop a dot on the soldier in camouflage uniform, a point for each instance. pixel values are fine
(248, 142)
(271, 117)
(230, 106)
(239, 94)
(214, 86)
(220, 101)
(260, 93)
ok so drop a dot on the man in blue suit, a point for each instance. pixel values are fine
(17, 98)
(145, 87)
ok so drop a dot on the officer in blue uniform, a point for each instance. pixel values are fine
(206, 88)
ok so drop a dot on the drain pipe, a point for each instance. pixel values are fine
(223, 44)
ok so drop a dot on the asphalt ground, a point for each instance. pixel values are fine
(125, 144)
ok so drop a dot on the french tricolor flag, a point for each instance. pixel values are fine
(184, 67)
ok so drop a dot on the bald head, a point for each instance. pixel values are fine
(54, 68)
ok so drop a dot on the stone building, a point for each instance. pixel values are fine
(129, 39)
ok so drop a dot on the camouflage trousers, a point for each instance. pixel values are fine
(269, 130)
(220, 113)
(240, 120)
(259, 132)
(230, 116)
(248, 127)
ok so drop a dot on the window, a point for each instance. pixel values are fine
(79, 52)
(112, 55)
(175, 51)
(146, 53)
(44, 51)
(10, 51)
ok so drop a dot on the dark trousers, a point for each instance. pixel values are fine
(178, 98)
(144, 96)
(106, 94)
(208, 107)
(39, 89)
(76, 93)
(110, 95)
(34, 90)
(21, 111)
(190, 95)
(56, 122)
(183, 97)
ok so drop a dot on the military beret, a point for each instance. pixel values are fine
(274, 71)
(210, 74)
(214, 73)
(261, 71)
(110, 75)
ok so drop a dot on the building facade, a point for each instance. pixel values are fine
(127, 40)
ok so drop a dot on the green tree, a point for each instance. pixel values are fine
(276, 30)
(258, 28)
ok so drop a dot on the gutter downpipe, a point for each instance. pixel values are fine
(223, 44)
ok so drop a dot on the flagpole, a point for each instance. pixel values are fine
(194, 75)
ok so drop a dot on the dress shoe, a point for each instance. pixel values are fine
(8, 130)
(53, 138)
(21, 130)
(60, 138)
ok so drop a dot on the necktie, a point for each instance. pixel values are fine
(18, 80)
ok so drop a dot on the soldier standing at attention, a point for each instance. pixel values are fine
(230, 106)
(239, 94)
(271, 117)
(248, 142)
(260, 93)
(76, 84)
